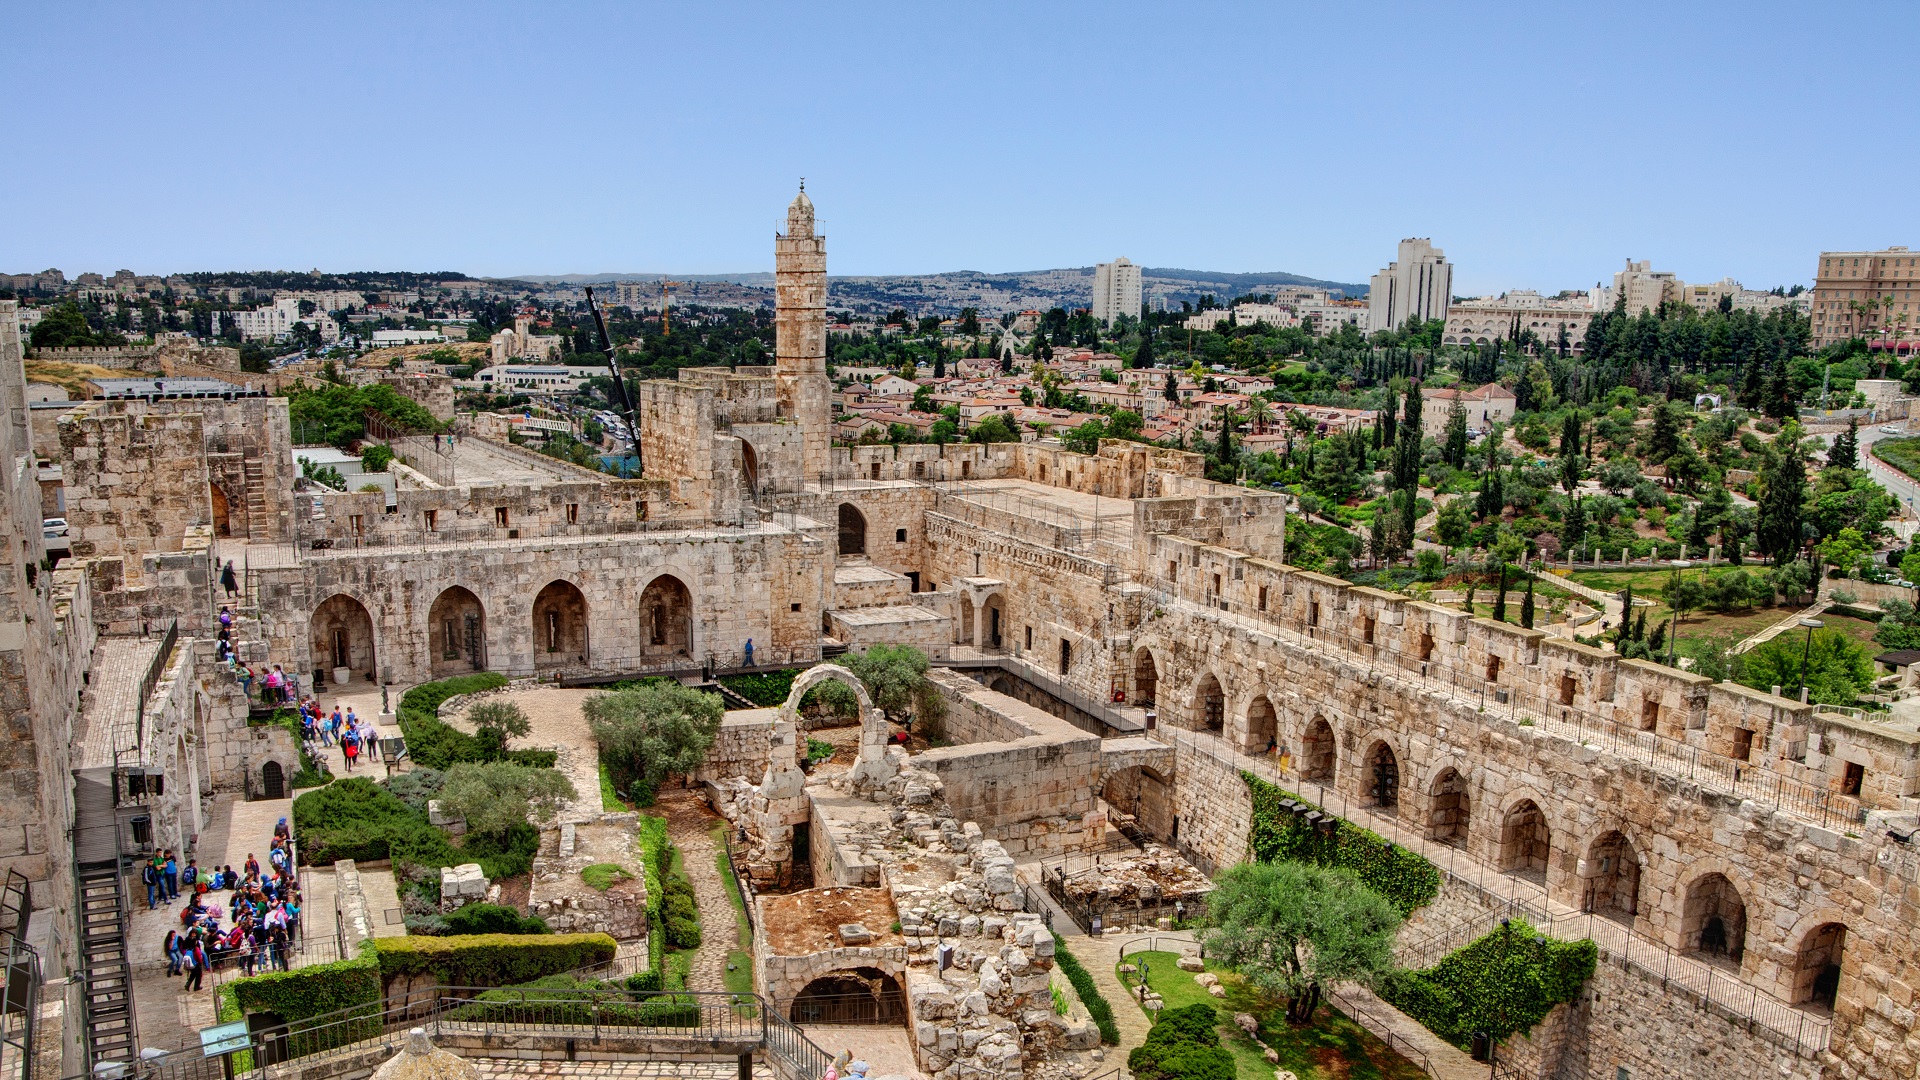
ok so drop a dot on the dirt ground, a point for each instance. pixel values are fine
(559, 725)
(807, 922)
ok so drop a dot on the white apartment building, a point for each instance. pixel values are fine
(1417, 284)
(535, 378)
(1116, 290)
(1328, 318)
(387, 338)
(1487, 319)
(276, 323)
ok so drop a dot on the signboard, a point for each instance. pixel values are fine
(223, 1038)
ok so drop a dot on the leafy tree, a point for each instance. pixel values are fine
(1793, 579)
(1453, 523)
(1683, 593)
(1291, 927)
(1491, 500)
(653, 731)
(896, 679)
(1836, 669)
(1849, 498)
(254, 358)
(1172, 389)
(1619, 476)
(494, 722)
(494, 796)
(1573, 524)
(1663, 437)
(63, 326)
(1500, 597)
(376, 458)
(993, 428)
(1454, 448)
(1845, 550)
(1783, 494)
(1845, 452)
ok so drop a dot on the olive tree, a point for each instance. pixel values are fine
(1292, 927)
(494, 796)
(653, 731)
(494, 722)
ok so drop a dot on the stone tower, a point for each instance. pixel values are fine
(800, 336)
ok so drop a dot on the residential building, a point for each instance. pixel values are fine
(1867, 294)
(535, 378)
(1416, 285)
(276, 322)
(386, 338)
(1327, 318)
(1486, 406)
(1116, 290)
(1486, 319)
(1642, 287)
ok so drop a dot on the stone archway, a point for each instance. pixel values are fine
(1381, 778)
(750, 468)
(456, 633)
(340, 635)
(865, 996)
(1318, 752)
(872, 766)
(1263, 727)
(1448, 808)
(1713, 919)
(666, 619)
(1817, 966)
(1143, 794)
(1146, 677)
(993, 625)
(1526, 842)
(1612, 877)
(853, 530)
(559, 626)
(1209, 705)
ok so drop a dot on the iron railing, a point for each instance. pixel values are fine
(691, 1022)
(1738, 999)
(869, 1009)
(155, 668)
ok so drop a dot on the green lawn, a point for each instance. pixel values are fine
(1902, 454)
(739, 973)
(1334, 1048)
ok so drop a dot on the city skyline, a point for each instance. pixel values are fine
(499, 148)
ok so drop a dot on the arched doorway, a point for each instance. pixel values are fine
(1066, 656)
(1146, 678)
(273, 781)
(860, 996)
(456, 633)
(994, 612)
(1142, 794)
(966, 620)
(1447, 808)
(1613, 877)
(1526, 842)
(853, 530)
(1816, 966)
(1382, 776)
(1317, 752)
(1209, 705)
(1713, 920)
(559, 626)
(218, 496)
(340, 635)
(666, 619)
(750, 468)
(1263, 727)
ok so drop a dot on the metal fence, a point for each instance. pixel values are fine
(694, 1022)
(868, 1009)
(1515, 895)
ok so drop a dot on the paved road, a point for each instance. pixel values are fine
(1897, 483)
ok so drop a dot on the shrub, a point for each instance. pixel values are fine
(415, 788)
(1403, 877)
(651, 732)
(1090, 996)
(493, 919)
(681, 913)
(766, 689)
(313, 991)
(1505, 982)
(431, 742)
(567, 999)
(1183, 1045)
(490, 959)
(358, 819)
(494, 796)
(603, 876)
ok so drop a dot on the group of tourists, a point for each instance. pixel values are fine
(262, 916)
(320, 731)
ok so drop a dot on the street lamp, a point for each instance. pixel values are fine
(1806, 653)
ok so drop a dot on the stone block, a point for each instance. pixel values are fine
(854, 934)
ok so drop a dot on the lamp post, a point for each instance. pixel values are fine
(1806, 653)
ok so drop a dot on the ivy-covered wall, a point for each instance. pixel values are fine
(1403, 877)
(1505, 982)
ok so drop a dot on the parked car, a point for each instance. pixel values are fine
(54, 527)
(1890, 429)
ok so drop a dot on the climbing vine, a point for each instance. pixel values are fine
(1504, 982)
(1403, 877)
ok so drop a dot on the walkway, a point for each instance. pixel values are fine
(1448, 1061)
(1529, 899)
(1100, 956)
(690, 827)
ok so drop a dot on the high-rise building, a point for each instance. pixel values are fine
(1643, 288)
(1116, 290)
(1417, 284)
(800, 336)
(1847, 282)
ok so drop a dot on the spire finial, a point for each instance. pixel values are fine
(803, 183)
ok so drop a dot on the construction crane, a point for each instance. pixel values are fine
(666, 306)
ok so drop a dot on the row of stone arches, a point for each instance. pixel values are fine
(342, 635)
(1606, 872)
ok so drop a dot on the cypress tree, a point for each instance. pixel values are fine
(1526, 607)
(1455, 449)
(1500, 600)
(1845, 453)
(1783, 497)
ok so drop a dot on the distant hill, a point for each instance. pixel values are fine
(992, 293)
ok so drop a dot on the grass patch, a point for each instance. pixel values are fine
(610, 799)
(739, 974)
(738, 978)
(1902, 454)
(678, 965)
(604, 875)
(1332, 1048)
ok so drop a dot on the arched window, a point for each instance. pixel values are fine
(853, 530)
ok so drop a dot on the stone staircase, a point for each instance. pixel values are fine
(257, 503)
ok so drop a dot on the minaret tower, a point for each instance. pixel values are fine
(800, 336)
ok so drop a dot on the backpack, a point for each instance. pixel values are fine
(189, 876)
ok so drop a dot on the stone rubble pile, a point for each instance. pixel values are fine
(1158, 875)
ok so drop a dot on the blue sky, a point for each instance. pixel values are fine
(1539, 145)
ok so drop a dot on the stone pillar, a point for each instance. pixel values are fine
(800, 337)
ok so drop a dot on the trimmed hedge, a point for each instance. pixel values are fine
(1183, 1045)
(1403, 877)
(490, 959)
(1505, 982)
(355, 818)
(559, 999)
(438, 745)
(492, 919)
(311, 991)
(1090, 995)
